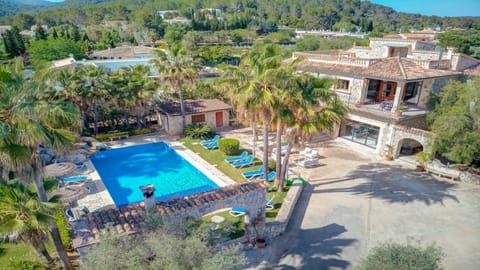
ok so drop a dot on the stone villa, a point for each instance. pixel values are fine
(386, 86)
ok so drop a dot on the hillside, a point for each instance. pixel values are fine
(347, 15)
(12, 7)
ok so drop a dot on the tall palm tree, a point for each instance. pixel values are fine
(313, 107)
(93, 83)
(27, 119)
(140, 88)
(177, 67)
(22, 214)
(256, 80)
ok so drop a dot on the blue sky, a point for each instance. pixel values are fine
(434, 7)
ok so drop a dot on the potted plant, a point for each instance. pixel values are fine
(422, 158)
(358, 104)
(388, 152)
(398, 112)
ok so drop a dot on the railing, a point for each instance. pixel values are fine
(337, 59)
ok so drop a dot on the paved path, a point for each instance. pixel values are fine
(356, 201)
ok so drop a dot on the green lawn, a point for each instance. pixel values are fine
(20, 251)
(217, 158)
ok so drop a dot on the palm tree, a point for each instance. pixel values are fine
(313, 107)
(256, 81)
(22, 214)
(139, 89)
(92, 82)
(27, 119)
(177, 67)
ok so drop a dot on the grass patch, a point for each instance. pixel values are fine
(19, 251)
(233, 227)
(217, 157)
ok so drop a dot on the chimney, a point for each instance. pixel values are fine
(148, 195)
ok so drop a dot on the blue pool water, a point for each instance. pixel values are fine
(114, 65)
(123, 170)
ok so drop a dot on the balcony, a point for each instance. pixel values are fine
(379, 112)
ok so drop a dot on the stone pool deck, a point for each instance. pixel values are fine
(99, 197)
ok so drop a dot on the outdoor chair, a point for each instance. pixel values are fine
(213, 140)
(80, 165)
(245, 163)
(237, 211)
(252, 174)
(270, 177)
(269, 203)
(237, 158)
(306, 151)
(76, 178)
(210, 146)
(71, 216)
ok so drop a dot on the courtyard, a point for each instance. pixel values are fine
(355, 201)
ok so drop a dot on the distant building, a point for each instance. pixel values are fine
(124, 52)
(328, 34)
(64, 63)
(212, 112)
(4, 28)
(162, 13)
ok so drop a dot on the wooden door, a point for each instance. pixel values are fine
(219, 119)
(387, 91)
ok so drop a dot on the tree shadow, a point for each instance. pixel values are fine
(393, 184)
(316, 248)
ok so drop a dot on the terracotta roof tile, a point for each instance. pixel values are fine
(129, 219)
(394, 68)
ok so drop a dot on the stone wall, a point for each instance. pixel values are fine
(419, 121)
(174, 122)
(278, 227)
(460, 62)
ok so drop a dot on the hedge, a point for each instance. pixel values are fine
(62, 225)
(102, 137)
(229, 146)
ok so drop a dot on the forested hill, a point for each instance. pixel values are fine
(348, 15)
(12, 7)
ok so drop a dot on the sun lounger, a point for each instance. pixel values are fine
(70, 215)
(80, 165)
(269, 203)
(237, 158)
(213, 140)
(76, 178)
(237, 211)
(211, 146)
(252, 174)
(306, 151)
(245, 163)
(270, 177)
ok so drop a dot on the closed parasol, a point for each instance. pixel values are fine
(60, 169)
(69, 193)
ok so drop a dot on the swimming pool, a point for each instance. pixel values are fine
(123, 170)
(114, 65)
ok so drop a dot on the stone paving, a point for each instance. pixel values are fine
(355, 201)
(99, 197)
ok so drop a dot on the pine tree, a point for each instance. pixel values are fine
(40, 33)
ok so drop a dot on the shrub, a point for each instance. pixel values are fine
(400, 257)
(139, 131)
(272, 165)
(25, 264)
(229, 146)
(133, 132)
(102, 137)
(200, 131)
(63, 229)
